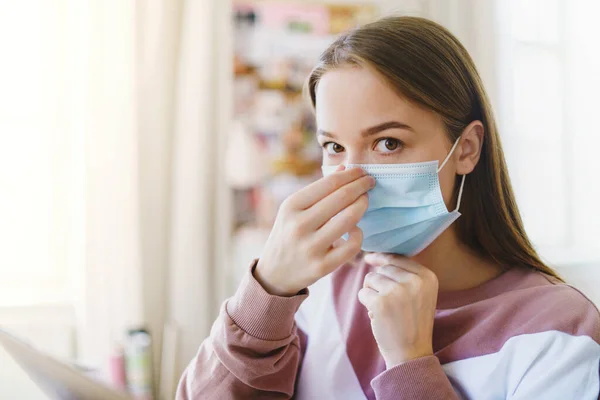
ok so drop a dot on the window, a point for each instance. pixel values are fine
(549, 102)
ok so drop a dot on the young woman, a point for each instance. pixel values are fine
(440, 304)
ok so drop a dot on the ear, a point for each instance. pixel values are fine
(469, 147)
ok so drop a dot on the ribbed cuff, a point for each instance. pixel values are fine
(260, 314)
(420, 379)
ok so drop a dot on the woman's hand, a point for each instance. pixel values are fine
(401, 298)
(305, 243)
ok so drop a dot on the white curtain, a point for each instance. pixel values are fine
(199, 206)
(109, 288)
(151, 114)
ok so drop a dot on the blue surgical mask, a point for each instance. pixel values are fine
(406, 209)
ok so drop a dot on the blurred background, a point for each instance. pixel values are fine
(146, 146)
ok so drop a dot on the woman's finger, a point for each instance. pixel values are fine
(380, 283)
(367, 297)
(321, 212)
(342, 222)
(313, 193)
(345, 250)
(397, 274)
(378, 259)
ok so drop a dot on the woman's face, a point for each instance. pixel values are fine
(361, 120)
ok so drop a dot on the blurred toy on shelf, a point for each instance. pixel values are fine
(345, 17)
(294, 162)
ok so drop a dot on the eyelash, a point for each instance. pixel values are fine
(400, 146)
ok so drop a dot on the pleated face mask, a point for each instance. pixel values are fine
(406, 210)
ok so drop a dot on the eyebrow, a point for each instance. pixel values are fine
(374, 129)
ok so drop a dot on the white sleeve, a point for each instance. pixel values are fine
(554, 365)
(548, 365)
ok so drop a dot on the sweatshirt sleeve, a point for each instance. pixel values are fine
(560, 366)
(253, 350)
(420, 379)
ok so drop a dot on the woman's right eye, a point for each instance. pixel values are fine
(333, 148)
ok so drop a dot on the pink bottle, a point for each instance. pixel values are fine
(117, 368)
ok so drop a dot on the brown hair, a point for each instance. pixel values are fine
(425, 63)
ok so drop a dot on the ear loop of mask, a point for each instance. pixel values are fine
(462, 183)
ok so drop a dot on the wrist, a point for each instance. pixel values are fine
(392, 360)
(268, 283)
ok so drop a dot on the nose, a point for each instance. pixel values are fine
(356, 157)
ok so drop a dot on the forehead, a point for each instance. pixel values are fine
(356, 98)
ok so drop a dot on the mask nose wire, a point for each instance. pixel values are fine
(462, 183)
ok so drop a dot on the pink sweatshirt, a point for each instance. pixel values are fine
(522, 335)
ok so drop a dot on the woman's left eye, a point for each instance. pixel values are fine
(388, 145)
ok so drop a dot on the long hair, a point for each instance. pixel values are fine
(423, 62)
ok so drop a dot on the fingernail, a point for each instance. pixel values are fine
(372, 181)
(370, 256)
(340, 167)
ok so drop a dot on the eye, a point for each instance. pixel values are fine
(333, 148)
(388, 145)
